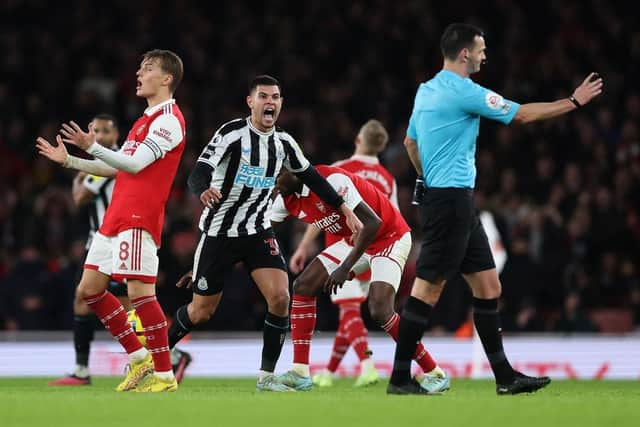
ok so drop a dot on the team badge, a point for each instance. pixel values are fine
(202, 284)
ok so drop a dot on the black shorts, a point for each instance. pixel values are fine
(216, 255)
(454, 239)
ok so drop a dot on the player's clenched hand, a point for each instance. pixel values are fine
(296, 263)
(589, 89)
(210, 197)
(74, 135)
(185, 281)
(57, 154)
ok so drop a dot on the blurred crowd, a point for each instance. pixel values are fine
(564, 193)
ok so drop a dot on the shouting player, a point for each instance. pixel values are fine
(234, 177)
(382, 247)
(125, 247)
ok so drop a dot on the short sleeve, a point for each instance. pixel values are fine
(214, 151)
(490, 105)
(278, 210)
(95, 183)
(411, 129)
(294, 160)
(165, 134)
(345, 188)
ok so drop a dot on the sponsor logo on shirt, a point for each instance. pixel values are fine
(163, 133)
(329, 223)
(254, 177)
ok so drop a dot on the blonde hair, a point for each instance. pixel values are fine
(373, 136)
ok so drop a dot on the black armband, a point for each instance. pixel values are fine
(316, 183)
(200, 178)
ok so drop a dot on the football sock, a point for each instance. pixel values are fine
(155, 330)
(413, 322)
(303, 322)
(112, 315)
(421, 355)
(487, 321)
(180, 326)
(340, 347)
(273, 333)
(83, 332)
(355, 330)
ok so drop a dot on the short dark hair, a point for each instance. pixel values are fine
(170, 63)
(264, 80)
(456, 37)
(106, 117)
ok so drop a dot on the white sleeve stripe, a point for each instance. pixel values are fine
(157, 151)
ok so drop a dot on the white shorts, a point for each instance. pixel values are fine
(132, 255)
(386, 266)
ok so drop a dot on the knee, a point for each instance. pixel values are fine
(83, 291)
(279, 303)
(381, 311)
(302, 287)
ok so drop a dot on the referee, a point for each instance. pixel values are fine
(441, 143)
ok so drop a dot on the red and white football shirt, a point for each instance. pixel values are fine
(308, 207)
(139, 199)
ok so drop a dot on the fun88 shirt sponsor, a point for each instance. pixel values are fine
(245, 165)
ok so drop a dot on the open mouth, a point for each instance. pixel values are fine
(269, 113)
(138, 84)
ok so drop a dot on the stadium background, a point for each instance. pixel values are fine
(564, 192)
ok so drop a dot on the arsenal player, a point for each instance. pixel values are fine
(125, 247)
(381, 247)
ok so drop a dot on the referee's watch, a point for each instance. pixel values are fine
(575, 101)
(418, 191)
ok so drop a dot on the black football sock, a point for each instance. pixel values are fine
(487, 321)
(180, 326)
(413, 322)
(275, 329)
(83, 331)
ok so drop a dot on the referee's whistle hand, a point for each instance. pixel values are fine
(210, 197)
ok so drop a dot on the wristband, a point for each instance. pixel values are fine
(575, 101)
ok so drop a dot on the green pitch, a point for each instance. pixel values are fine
(233, 402)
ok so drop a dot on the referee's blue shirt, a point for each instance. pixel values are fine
(445, 123)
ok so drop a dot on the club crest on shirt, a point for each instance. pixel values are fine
(321, 207)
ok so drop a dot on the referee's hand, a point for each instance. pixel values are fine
(589, 89)
(210, 197)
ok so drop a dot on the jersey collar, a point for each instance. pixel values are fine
(152, 110)
(259, 132)
(366, 159)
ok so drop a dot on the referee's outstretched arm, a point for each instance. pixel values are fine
(582, 95)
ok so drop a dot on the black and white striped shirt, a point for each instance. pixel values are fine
(102, 188)
(246, 163)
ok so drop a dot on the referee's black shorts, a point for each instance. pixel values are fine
(216, 255)
(454, 239)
